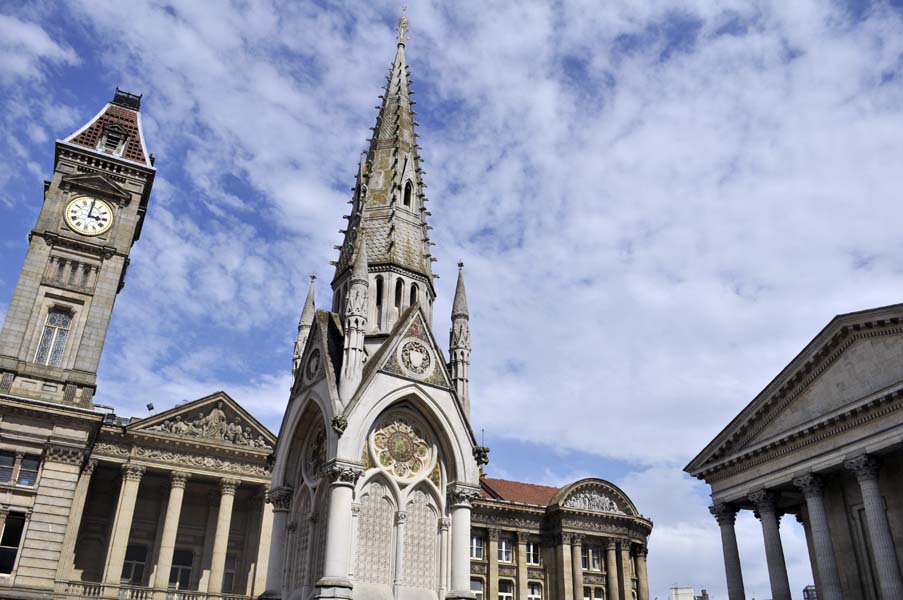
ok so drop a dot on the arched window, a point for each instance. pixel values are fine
(408, 192)
(399, 294)
(414, 293)
(379, 301)
(53, 340)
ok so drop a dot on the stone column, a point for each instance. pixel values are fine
(460, 499)
(565, 569)
(444, 524)
(766, 507)
(401, 517)
(576, 565)
(882, 543)
(122, 523)
(67, 553)
(522, 565)
(492, 562)
(641, 575)
(726, 517)
(221, 537)
(264, 542)
(626, 576)
(611, 570)
(177, 480)
(281, 499)
(335, 582)
(829, 578)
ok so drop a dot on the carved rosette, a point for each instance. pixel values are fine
(178, 479)
(402, 448)
(132, 472)
(724, 514)
(810, 485)
(280, 498)
(228, 486)
(864, 467)
(415, 358)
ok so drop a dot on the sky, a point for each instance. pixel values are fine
(658, 204)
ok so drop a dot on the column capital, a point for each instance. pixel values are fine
(565, 538)
(725, 514)
(611, 544)
(810, 485)
(355, 509)
(493, 534)
(522, 537)
(132, 471)
(765, 501)
(401, 517)
(90, 466)
(178, 479)
(577, 539)
(864, 467)
(342, 473)
(280, 498)
(227, 486)
(462, 495)
(444, 523)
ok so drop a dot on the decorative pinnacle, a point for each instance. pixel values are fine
(313, 278)
(402, 27)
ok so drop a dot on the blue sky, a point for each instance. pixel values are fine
(658, 204)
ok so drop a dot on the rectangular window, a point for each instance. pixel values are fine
(504, 550)
(587, 593)
(534, 554)
(180, 574)
(476, 547)
(476, 586)
(584, 557)
(28, 470)
(9, 541)
(229, 574)
(7, 462)
(133, 567)
(597, 558)
(534, 591)
(506, 590)
(598, 594)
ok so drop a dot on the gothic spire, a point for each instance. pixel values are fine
(304, 325)
(459, 344)
(459, 307)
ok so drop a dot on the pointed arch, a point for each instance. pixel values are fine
(297, 550)
(380, 300)
(374, 557)
(408, 194)
(399, 295)
(421, 540)
(415, 294)
(302, 416)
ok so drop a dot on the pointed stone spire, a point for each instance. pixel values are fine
(459, 344)
(388, 205)
(356, 305)
(304, 325)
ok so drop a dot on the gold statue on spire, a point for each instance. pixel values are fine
(402, 27)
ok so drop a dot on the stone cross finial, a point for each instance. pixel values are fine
(402, 27)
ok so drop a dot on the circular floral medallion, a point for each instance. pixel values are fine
(415, 358)
(401, 448)
(313, 364)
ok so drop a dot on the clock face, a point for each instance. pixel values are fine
(89, 216)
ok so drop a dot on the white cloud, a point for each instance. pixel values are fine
(25, 49)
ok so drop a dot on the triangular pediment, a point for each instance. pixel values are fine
(854, 358)
(97, 183)
(411, 352)
(216, 419)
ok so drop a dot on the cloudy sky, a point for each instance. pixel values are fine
(658, 204)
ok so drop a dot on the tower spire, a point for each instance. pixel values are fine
(304, 325)
(388, 206)
(459, 343)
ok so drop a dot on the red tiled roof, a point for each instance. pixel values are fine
(517, 491)
(115, 115)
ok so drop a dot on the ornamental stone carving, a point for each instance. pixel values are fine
(228, 486)
(864, 467)
(724, 514)
(214, 426)
(481, 455)
(178, 479)
(315, 454)
(493, 534)
(339, 424)
(280, 498)
(112, 448)
(342, 474)
(132, 472)
(461, 496)
(313, 364)
(401, 448)
(764, 500)
(593, 500)
(415, 358)
(201, 461)
(810, 485)
(65, 455)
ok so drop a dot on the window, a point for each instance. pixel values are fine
(587, 593)
(597, 557)
(476, 586)
(584, 558)
(414, 293)
(399, 294)
(53, 340)
(504, 550)
(408, 192)
(506, 590)
(7, 463)
(28, 470)
(534, 556)
(112, 141)
(599, 594)
(9, 541)
(476, 547)
(229, 573)
(379, 302)
(133, 567)
(180, 574)
(534, 591)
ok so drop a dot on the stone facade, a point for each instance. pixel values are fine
(822, 442)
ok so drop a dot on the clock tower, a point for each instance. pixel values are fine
(78, 252)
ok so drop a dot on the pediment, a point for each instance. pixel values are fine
(216, 419)
(97, 183)
(411, 352)
(595, 495)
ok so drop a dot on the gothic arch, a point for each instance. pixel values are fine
(302, 417)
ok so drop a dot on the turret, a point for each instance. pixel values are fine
(356, 305)
(304, 325)
(459, 344)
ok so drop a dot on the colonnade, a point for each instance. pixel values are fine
(617, 579)
(880, 541)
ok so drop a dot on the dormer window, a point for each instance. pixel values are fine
(112, 141)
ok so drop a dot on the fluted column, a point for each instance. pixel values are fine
(460, 498)
(177, 481)
(67, 553)
(611, 569)
(726, 517)
(829, 579)
(522, 565)
(577, 565)
(766, 507)
(335, 582)
(882, 543)
(122, 522)
(281, 499)
(221, 537)
(641, 574)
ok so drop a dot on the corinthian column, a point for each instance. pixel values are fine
(765, 502)
(726, 516)
(577, 565)
(611, 569)
(882, 543)
(460, 499)
(221, 538)
(281, 499)
(335, 582)
(177, 479)
(829, 579)
(122, 522)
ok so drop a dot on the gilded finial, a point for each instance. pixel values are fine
(402, 27)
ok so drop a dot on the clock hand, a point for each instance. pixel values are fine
(90, 210)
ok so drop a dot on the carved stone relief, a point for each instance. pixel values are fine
(401, 447)
(593, 500)
(215, 426)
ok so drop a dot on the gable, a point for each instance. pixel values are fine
(412, 353)
(216, 418)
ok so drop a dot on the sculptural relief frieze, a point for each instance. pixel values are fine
(593, 500)
(214, 426)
